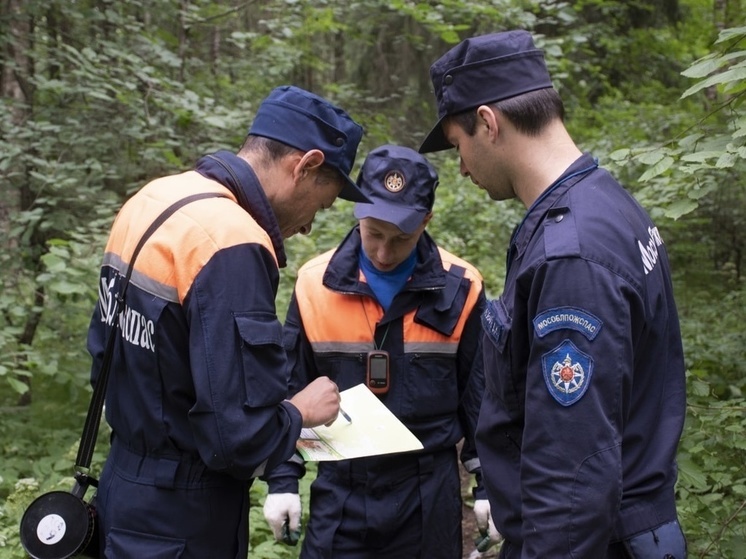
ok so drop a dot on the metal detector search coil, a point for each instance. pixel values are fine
(60, 524)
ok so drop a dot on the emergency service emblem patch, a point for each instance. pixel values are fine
(567, 372)
(394, 181)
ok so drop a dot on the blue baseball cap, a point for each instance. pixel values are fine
(305, 121)
(483, 70)
(400, 184)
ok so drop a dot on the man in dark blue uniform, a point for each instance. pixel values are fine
(584, 368)
(197, 399)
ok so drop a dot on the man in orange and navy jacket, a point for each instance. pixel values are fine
(197, 397)
(389, 288)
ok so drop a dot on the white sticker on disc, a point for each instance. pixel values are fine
(51, 529)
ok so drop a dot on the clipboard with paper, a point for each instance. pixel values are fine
(373, 430)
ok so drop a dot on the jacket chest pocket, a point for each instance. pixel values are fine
(262, 355)
(345, 369)
(430, 386)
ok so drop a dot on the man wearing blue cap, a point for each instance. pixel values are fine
(390, 309)
(585, 390)
(197, 396)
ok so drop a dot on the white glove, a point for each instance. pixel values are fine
(282, 512)
(489, 534)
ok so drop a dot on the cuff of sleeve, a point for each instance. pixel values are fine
(478, 492)
(284, 478)
(283, 485)
(295, 417)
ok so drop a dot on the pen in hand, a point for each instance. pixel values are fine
(344, 414)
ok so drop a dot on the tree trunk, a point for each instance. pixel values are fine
(12, 90)
(20, 196)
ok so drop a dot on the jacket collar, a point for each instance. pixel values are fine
(535, 214)
(237, 176)
(343, 272)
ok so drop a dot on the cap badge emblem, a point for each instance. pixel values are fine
(394, 181)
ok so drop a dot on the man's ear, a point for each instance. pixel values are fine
(309, 161)
(486, 117)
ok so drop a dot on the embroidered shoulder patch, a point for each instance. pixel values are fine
(568, 318)
(567, 372)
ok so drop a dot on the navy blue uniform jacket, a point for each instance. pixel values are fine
(389, 505)
(197, 386)
(584, 370)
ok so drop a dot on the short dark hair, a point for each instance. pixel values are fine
(327, 173)
(273, 150)
(528, 112)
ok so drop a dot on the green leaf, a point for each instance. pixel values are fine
(54, 262)
(691, 474)
(726, 160)
(731, 33)
(701, 156)
(700, 388)
(680, 208)
(651, 157)
(659, 168)
(67, 288)
(703, 67)
(732, 75)
(17, 385)
(690, 141)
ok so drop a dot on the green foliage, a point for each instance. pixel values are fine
(121, 92)
(693, 165)
(68, 279)
(711, 490)
(39, 445)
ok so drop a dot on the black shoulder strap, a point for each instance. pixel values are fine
(90, 429)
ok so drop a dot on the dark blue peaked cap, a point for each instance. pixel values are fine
(482, 70)
(305, 121)
(400, 184)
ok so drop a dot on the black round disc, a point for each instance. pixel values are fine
(56, 525)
